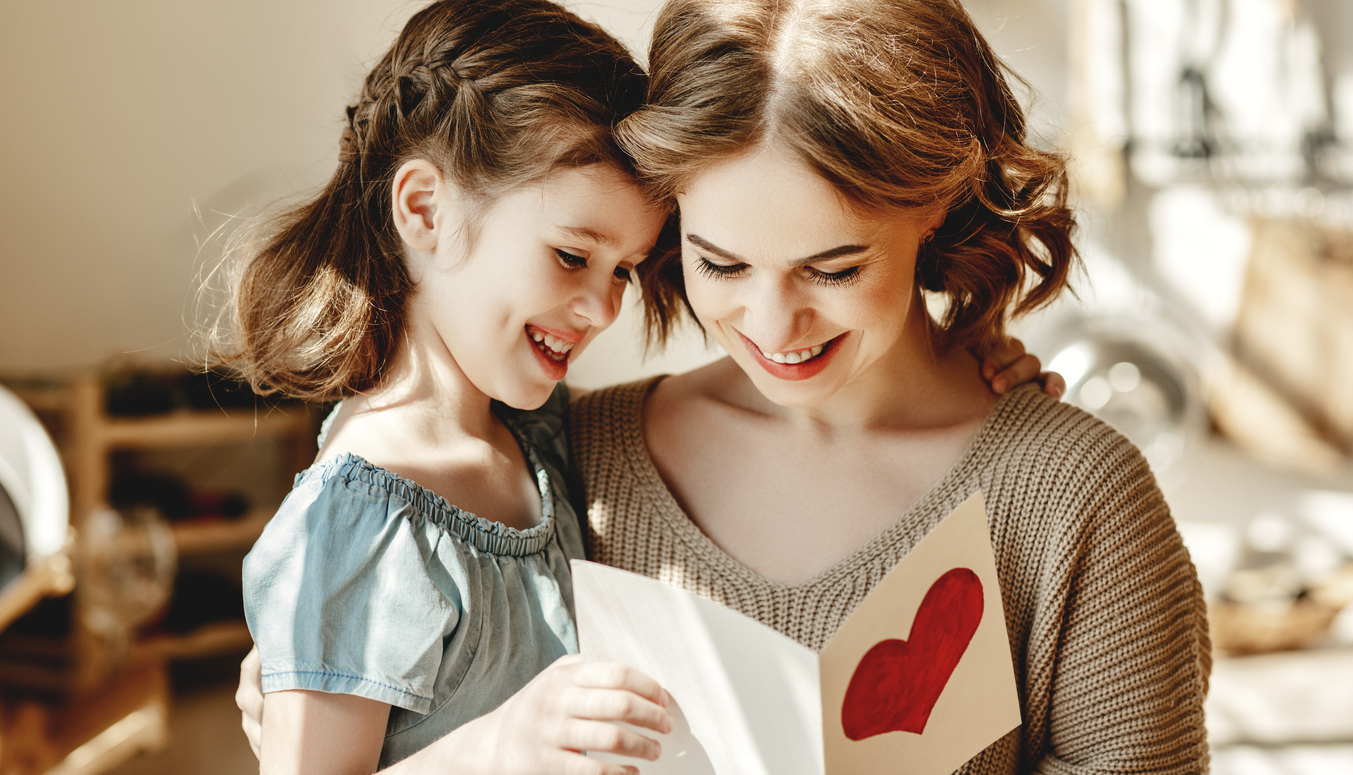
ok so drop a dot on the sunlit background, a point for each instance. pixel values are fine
(1213, 148)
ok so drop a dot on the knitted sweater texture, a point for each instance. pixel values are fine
(1108, 630)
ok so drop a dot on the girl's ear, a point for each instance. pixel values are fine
(418, 191)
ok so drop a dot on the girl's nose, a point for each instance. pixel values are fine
(599, 302)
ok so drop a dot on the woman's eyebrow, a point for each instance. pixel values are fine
(843, 250)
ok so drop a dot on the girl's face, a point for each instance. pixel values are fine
(544, 273)
(805, 295)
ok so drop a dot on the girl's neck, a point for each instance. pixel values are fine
(424, 387)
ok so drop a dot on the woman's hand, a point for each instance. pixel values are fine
(1008, 365)
(572, 706)
(249, 699)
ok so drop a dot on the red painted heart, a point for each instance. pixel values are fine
(897, 683)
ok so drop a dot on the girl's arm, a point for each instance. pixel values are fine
(570, 707)
(320, 732)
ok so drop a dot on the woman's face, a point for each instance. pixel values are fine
(806, 296)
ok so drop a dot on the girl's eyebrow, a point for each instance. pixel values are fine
(583, 232)
(836, 252)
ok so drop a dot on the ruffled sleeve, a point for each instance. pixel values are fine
(341, 594)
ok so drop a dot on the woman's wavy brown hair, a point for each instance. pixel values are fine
(496, 93)
(900, 104)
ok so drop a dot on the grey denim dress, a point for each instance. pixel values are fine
(366, 583)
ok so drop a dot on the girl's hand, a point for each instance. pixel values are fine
(1008, 365)
(572, 706)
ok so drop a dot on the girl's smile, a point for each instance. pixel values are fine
(553, 348)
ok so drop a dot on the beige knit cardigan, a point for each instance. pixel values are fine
(1108, 630)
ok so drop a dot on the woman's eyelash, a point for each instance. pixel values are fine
(843, 277)
(719, 271)
(711, 269)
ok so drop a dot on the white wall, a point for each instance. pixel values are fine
(122, 121)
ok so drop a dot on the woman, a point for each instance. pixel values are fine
(841, 168)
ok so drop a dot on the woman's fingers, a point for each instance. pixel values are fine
(249, 699)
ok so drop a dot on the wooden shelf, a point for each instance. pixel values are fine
(210, 640)
(46, 577)
(200, 428)
(89, 734)
(223, 535)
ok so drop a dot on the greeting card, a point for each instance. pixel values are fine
(919, 679)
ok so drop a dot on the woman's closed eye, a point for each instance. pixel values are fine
(710, 269)
(724, 271)
(842, 277)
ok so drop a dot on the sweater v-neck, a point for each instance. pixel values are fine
(684, 528)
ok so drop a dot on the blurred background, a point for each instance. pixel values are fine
(1213, 148)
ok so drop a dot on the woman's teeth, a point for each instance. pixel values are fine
(796, 356)
(557, 347)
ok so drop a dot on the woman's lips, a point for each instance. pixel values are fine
(804, 369)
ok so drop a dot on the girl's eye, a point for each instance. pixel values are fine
(622, 274)
(569, 260)
(717, 271)
(843, 277)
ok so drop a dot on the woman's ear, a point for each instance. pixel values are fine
(418, 191)
(933, 220)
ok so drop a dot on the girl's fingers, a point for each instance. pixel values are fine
(1001, 357)
(1053, 384)
(606, 737)
(620, 705)
(1022, 370)
(613, 675)
(579, 764)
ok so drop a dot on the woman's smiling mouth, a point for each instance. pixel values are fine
(795, 364)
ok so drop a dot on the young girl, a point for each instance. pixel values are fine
(478, 233)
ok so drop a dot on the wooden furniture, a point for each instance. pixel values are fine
(114, 704)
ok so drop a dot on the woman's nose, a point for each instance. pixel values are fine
(774, 314)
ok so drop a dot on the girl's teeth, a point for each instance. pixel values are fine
(798, 356)
(554, 343)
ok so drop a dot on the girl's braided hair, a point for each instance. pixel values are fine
(496, 93)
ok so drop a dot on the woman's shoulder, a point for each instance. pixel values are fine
(607, 410)
(1032, 435)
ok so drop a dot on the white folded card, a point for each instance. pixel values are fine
(918, 680)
